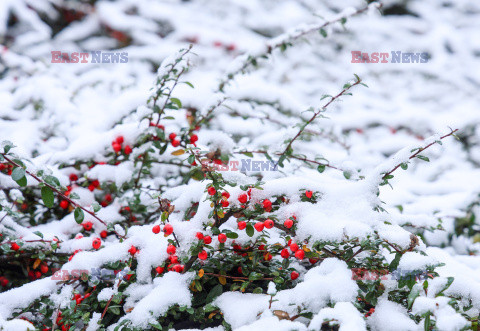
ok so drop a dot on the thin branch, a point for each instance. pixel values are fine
(60, 193)
(418, 152)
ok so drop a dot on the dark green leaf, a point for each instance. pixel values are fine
(79, 215)
(47, 196)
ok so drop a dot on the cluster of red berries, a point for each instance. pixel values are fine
(167, 229)
(117, 146)
(6, 166)
(225, 195)
(79, 298)
(106, 200)
(93, 185)
(175, 142)
(299, 253)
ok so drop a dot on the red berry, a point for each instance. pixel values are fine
(96, 243)
(226, 195)
(313, 261)
(168, 229)
(288, 223)
(231, 47)
(300, 254)
(222, 237)
(44, 269)
(217, 43)
(172, 136)
(239, 270)
(242, 225)
(38, 274)
(133, 250)
(87, 226)
(159, 270)
(175, 143)
(267, 205)
(285, 253)
(119, 140)
(193, 139)
(73, 177)
(171, 249)
(261, 247)
(242, 198)
(199, 235)
(96, 183)
(211, 190)
(173, 259)
(308, 194)
(15, 246)
(64, 204)
(207, 240)
(259, 226)
(104, 234)
(116, 147)
(294, 275)
(127, 150)
(225, 203)
(294, 247)
(178, 268)
(269, 224)
(268, 256)
(4, 282)
(156, 229)
(202, 255)
(108, 197)
(91, 187)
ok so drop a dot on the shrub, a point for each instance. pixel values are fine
(158, 231)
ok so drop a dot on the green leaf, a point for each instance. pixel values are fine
(47, 196)
(249, 230)
(404, 166)
(424, 158)
(169, 118)
(255, 276)
(38, 233)
(74, 196)
(347, 174)
(232, 235)
(248, 154)
(323, 33)
(449, 282)
(414, 293)
(393, 266)
(22, 181)
(189, 84)
(96, 207)
(177, 102)
(214, 292)
(321, 168)
(79, 215)
(18, 173)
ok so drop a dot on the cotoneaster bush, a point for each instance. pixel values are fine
(155, 234)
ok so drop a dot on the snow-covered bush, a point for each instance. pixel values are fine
(170, 215)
